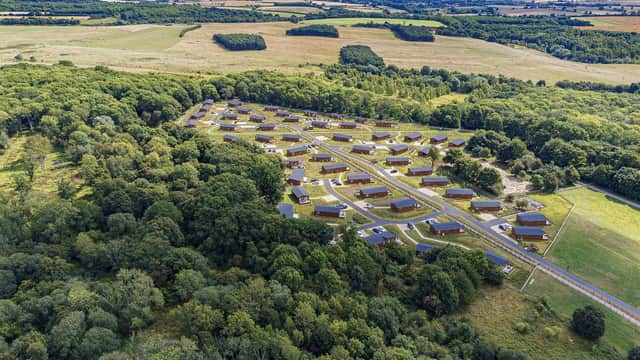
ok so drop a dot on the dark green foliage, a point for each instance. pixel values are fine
(550, 34)
(238, 42)
(413, 33)
(38, 21)
(588, 322)
(634, 353)
(359, 55)
(315, 30)
(139, 13)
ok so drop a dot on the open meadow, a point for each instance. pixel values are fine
(158, 48)
(613, 23)
(601, 243)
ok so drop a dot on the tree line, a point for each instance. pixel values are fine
(314, 30)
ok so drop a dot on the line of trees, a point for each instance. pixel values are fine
(38, 21)
(315, 30)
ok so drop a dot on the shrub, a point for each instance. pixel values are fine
(588, 322)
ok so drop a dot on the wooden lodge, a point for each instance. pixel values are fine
(342, 137)
(403, 205)
(359, 178)
(229, 138)
(234, 103)
(363, 149)
(266, 127)
(398, 149)
(435, 181)
(230, 116)
(190, 124)
(438, 139)
(282, 113)
(457, 143)
(379, 136)
(291, 119)
(360, 119)
(528, 233)
(228, 127)
(298, 150)
(293, 163)
(334, 168)
(459, 194)
(348, 125)
(310, 113)
(329, 211)
(384, 123)
(412, 137)
(420, 171)
(243, 110)
(257, 118)
(320, 124)
(296, 177)
(374, 192)
(446, 228)
(398, 161)
(532, 219)
(291, 137)
(322, 157)
(486, 205)
(271, 108)
(301, 195)
(264, 138)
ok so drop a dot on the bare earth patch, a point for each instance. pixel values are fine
(512, 184)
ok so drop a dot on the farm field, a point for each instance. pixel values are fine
(353, 21)
(613, 23)
(601, 242)
(162, 50)
(564, 300)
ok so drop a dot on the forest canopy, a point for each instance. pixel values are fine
(359, 55)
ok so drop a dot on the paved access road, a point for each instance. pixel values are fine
(479, 228)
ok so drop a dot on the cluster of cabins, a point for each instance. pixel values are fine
(200, 114)
(529, 227)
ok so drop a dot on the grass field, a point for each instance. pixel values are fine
(160, 49)
(601, 243)
(563, 300)
(45, 179)
(613, 23)
(496, 311)
(353, 21)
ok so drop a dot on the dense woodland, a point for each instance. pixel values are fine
(239, 42)
(553, 35)
(405, 32)
(315, 30)
(168, 245)
(360, 55)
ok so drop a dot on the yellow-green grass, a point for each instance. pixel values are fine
(125, 49)
(556, 208)
(291, 9)
(149, 39)
(387, 213)
(46, 178)
(353, 21)
(95, 22)
(447, 99)
(564, 300)
(601, 243)
(495, 311)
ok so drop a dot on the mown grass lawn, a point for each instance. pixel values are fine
(601, 243)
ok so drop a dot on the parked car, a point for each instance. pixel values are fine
(505, 227)
(342, 206)
(338, 183)
(431, 221)
(368, 206)
(410, 226)
(393, 171)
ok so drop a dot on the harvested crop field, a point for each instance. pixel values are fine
(161, 49)
(613, 23)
